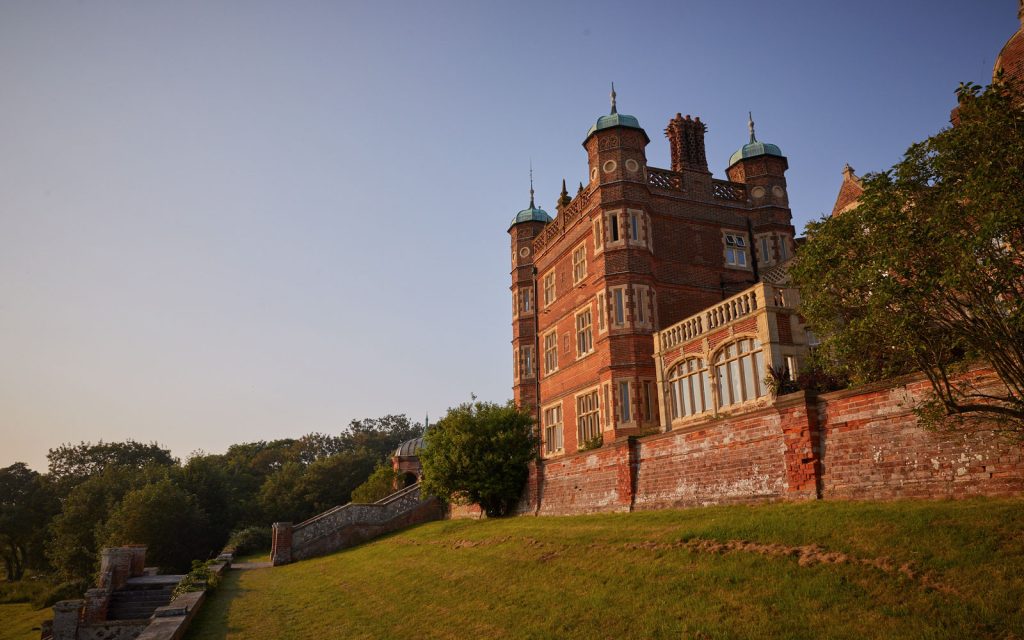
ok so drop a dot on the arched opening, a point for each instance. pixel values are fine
(408, 479)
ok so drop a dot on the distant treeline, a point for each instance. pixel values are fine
(112, 493)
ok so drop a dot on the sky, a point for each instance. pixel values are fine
(223, 222)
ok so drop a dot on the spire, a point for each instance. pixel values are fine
(614, 110)
(750, 125)
(563, 198)
(531, 185)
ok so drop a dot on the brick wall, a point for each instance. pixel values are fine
(860, 444)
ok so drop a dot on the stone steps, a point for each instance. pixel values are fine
(137, 604)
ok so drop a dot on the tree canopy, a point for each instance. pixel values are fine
(927, 272)
(478, 453)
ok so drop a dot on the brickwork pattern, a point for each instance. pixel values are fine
(860, 444)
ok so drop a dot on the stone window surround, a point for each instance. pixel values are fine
(742, 236)
(596, 392)
(559, 425)
(586, 308)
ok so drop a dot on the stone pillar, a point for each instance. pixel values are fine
(138, 564)
(115, 567)
(96, 601)
(281, 548)
(66, 614)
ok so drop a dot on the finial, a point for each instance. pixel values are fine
(563, 198)
(750, 125)
(614, 110)
(580, 189)
(848, 173)
(564, 192)
(531, 184)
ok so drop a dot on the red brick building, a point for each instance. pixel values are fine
(636, 250)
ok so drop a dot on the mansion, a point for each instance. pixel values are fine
(655, 297)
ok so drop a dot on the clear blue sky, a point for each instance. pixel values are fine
(231, 221)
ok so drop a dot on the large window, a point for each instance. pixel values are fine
(690, 387)
(584, 333)
(739, 372)
(579, 264)
(549, 287)
(527, 300)
(550, 352)
(588, 418)
(735, 250)
(553, 429)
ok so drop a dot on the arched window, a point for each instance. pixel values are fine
(739, 372)
(690, 385)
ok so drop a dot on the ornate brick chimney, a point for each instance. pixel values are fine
(686, 140)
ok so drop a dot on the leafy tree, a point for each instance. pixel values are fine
(380, 484)
(329, 482)
(282, 496)
(27, 503)
(166, 519)
(478, 453)
(73, 545)
(379, 435)
(927, 273)
(72, 463)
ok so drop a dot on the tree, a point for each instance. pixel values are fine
(72, 463)
(927, 272)
(166, 519)
(27, 502)
(380, 484)
(478, 453)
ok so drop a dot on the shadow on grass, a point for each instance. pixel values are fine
(211, 623)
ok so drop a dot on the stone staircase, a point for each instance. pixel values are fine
(351, 524)
(140, 597)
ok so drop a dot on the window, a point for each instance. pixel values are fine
(648, 399)
(613, 219)
(584, 335)
(549, 287)
(634, 225)
(735, 250)
(526, 361)
(553, 429)
(607, 403)
(515, 303)
(640, 298)
(782, 248)
(765, 256)
(588, 418)
(579, 264)
(690, 388)
(619, 305)
(602, 313)
(550, 352)
(793, 367)
(625, 415)
(527, 300)
(598, 234)
(739, 372)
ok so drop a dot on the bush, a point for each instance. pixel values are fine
(200, 578)
(25, 590)
(64, 591)
(250, 540)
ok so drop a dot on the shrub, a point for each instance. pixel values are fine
(250, 540)
(380, 484)
(64, 591)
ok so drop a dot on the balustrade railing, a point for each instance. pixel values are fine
(739, 306)
(664, 179)
(725, 190)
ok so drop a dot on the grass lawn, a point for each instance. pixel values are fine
(810, 570)
(17, 621)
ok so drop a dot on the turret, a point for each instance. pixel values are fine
(762, 167)
(526, 225)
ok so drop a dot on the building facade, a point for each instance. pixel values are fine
(636, 251)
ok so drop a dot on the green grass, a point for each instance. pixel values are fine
(18, 620)
(653, 575)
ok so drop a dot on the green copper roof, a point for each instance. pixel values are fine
(754, 148)
(531, 214)
(614, 120)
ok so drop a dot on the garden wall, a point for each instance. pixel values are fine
(859, 444)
